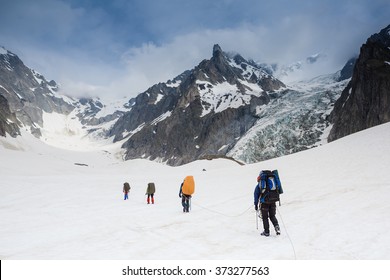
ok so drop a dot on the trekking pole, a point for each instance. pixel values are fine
(257, 219)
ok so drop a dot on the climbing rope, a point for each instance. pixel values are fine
(222, 214)
(289, 238)
(238, 215)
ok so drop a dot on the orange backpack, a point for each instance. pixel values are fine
(188, 185)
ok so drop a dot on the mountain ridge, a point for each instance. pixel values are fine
(201, 113)
(225, 106)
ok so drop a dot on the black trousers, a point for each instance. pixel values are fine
(185, 202)
(268, 210)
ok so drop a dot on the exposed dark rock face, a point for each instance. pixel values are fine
(8, 121)
(347, 71)
(365, 102)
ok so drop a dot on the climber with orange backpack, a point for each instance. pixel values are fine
(187, 189)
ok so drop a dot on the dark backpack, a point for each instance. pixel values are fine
(151, 189)
(273, 187)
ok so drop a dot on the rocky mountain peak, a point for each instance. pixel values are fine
(218, 68)
(4, 51)
(217, 51)
(200, 113)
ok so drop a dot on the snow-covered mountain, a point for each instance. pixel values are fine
(202, 112)
(226, 106)
(29, 102)
(310, 66)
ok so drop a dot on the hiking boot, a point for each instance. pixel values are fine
(277, 230)
(264, 233)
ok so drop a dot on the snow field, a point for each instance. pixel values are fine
(334, 205)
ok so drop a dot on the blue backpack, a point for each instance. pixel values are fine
(273, 186)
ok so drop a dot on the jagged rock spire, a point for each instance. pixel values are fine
(217, 50)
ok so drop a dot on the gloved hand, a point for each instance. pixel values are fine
(180, 195)
(256, 207)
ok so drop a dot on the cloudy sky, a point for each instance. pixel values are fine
(121, 47)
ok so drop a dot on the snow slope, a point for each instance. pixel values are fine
(59, 204)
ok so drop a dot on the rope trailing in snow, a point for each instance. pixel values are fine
(222, 214)
(289, 238)
(234, 216)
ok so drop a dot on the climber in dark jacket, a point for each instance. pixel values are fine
(126, 190)
(267, 209)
